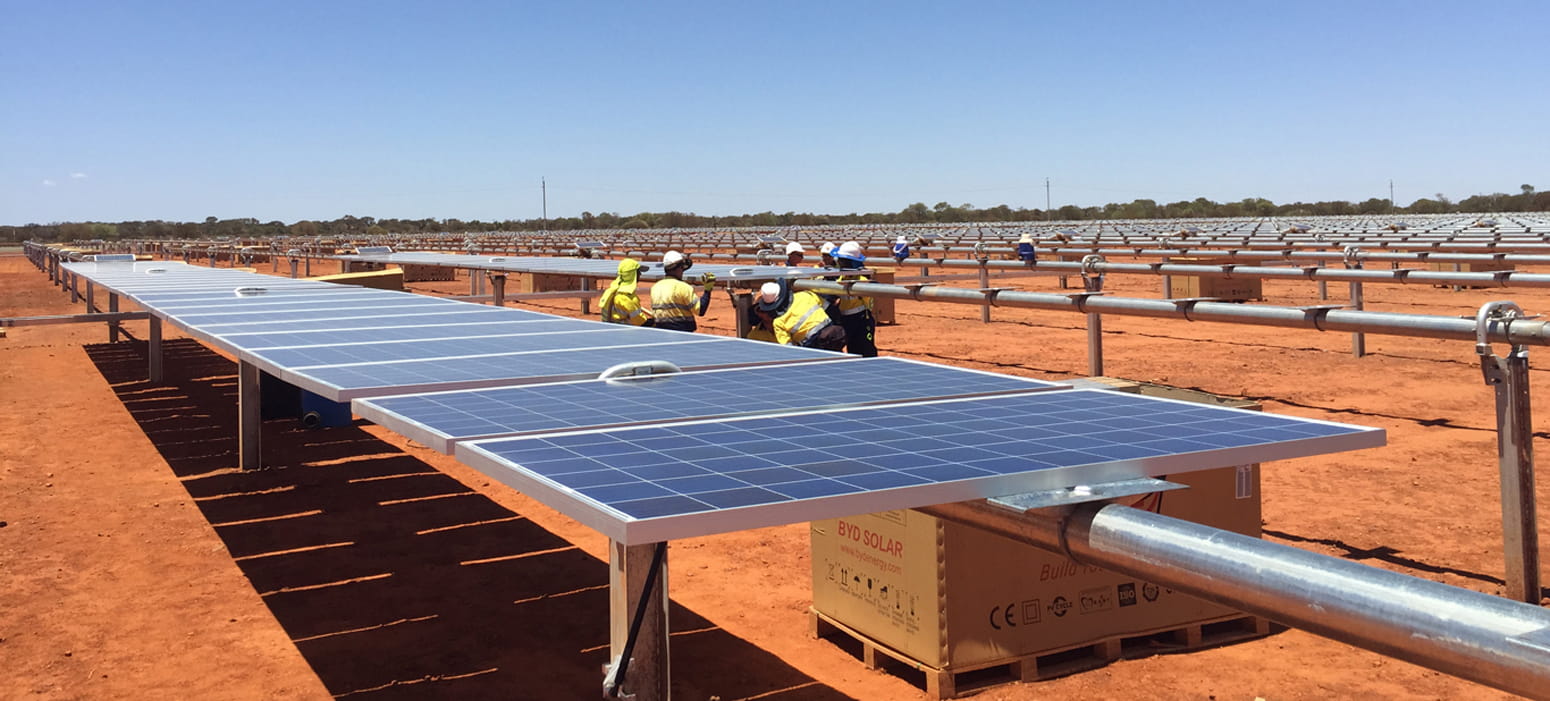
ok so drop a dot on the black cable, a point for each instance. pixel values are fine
(640, 617)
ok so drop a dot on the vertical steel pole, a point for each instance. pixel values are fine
(1094, 344)
(740, 306)
(1515, 454)
(75, 288)
(498, 288)
(984, 284)
(91, 297)
(586, 302)
(1358, 339)
(649, 670)
(1323, 286)
(153, 350)
(249, 416)
(112, 325)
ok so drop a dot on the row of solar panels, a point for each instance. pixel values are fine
(578, 266)
(780, 435)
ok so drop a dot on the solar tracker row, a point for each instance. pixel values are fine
(438, 420)
(580, 266)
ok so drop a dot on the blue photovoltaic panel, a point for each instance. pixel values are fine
(581, 336)
(659, 483)
(343, 382)
(322, 312)
(259, 340)
(439, 419)
(466, 313)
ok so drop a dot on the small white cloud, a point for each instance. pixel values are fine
(49, 183)
(77, 176)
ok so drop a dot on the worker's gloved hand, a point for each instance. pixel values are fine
(707, 282)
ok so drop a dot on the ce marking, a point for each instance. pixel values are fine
(1003, 613)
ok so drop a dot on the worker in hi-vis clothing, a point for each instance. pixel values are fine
(795, 252)
(672, 300)
(855, 312)
(826, 254)
(800, 319)
(619, 303)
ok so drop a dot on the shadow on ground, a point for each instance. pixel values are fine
(395, 580)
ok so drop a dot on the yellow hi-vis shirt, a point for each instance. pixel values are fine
(672, 298)
(854, 305)
(620, 307)
(803, 318)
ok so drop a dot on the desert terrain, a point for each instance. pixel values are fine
(137, 562)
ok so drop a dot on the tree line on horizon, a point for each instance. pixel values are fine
(1527, 200)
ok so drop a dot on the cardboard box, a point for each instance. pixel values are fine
(953, 597)
(549, 282)
(428, 273)
(1234, 289)
(1483, 266)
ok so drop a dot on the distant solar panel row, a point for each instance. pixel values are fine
(579, 266)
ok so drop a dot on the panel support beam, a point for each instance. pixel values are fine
(1508, 376)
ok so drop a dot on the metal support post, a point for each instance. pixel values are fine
(637, 602)
(984, 278)
(249, 416)
(307, 266)
(473, 283)
(153, 350)
(498, 288)
(586, 302)
(1323, 286)
(1515, 452)
(1092, 281)
(740, 306)
(75, 288)
(1358, 339)
(112, 325)
(344, 266)
(91, 297)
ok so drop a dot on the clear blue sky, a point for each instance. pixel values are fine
(313, 110)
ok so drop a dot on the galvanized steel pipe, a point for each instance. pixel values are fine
(1486, 639)
(1520, 331)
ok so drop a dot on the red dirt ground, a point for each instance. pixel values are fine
(137, 562)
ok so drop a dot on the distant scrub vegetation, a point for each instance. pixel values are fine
(1527, 200)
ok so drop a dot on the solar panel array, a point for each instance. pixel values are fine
(439, 420)
(655, 483)
(784, 438)
(344, 342)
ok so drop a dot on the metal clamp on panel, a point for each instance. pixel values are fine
(989, 292)
(639, 368)
(250, 291)
(916, 287)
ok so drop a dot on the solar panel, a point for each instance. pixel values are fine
(469, 313)
(584, 267)
(440, 419)
(259, 340)
(657, 483)
(342, 382)
(366, 349)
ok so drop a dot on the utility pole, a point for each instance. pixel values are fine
(1048, 215)
(1391, 195)
(543, 186)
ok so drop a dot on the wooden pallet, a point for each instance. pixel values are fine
(1039, 666)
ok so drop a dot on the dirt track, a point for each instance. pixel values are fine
(136, 562)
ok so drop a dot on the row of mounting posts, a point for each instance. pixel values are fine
(1358, 339)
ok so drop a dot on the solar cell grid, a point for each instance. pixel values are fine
(439, 419)
(469, 313)
(580, 336)
(341, 382)
(256, 340)
(662, 482)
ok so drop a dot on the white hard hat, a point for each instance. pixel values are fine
(794, 247)
(673, 258)
(829, 247)
(900, 239)
(850, 250)
(769, 292)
